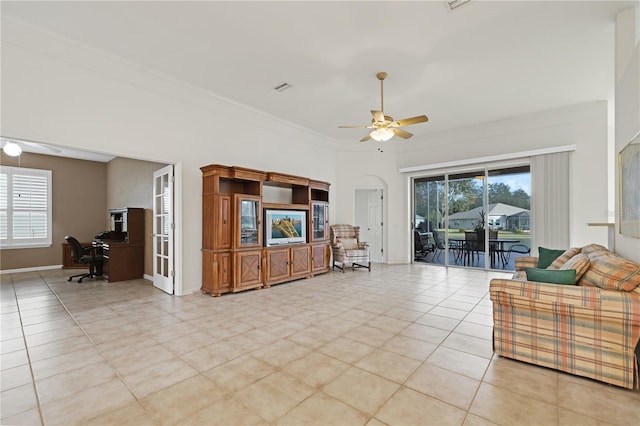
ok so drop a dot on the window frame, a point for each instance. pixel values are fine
(9, 242)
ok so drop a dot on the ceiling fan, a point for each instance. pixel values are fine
(385, 127)
(14, 147)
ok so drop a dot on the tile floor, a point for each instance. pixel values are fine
(405, 344)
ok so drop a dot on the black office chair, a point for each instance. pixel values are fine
(85, 255)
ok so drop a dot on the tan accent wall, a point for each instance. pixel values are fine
(130, 184)
(79, 201)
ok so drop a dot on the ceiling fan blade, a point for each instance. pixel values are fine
(366, 138)
(403, 134)
(355, 127)
(378, 116)
(409, 121)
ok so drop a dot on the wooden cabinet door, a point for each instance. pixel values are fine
(247, 272)
(300, 260)
(224, 272)
(223, 232)
(319, 257)
(277, 264)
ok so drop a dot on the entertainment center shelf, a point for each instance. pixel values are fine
(261, 228)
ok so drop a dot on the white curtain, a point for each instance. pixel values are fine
(550, 204)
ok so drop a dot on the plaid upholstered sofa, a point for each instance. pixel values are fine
(591, 329)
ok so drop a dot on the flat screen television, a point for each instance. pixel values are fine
(285, 226)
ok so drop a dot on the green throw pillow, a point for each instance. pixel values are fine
(560, 276)
(547, 256)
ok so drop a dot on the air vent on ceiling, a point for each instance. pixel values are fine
(453, 4)
(282, 87)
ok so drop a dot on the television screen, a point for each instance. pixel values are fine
(285, 226)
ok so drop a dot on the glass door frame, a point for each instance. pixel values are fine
(483, 170)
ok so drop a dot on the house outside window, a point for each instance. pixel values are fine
(25, 208)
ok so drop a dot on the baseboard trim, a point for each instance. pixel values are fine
(147, 277)
(33, 269)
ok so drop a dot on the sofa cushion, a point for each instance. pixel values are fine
(610, 271)
(547, 256)
(549, 276)
(349, 243)
(580, 262)
(563, 258)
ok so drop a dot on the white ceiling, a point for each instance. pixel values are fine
(482, 62)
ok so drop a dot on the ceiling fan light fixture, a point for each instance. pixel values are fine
(381, 135)
(12, 149)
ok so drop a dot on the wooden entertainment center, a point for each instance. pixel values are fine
(237, 252)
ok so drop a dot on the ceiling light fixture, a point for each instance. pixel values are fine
(454, 4)
(382, 134)
(12, 149)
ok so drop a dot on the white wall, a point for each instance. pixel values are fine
(584, 125)
(62, 93)
(627, 106)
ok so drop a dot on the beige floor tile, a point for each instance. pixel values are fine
(598, 400)
(62, 363)
(174, 404)
(408, 407)
(412, 348)
(274, 395)
(524, 379)
(370, 335)
(473, 420)
(53, 336)
(14, 377)
(64, 324)
(462, 363)
(57, 348)
(155, 376)
(10, 333)
(360, 389)
(312, 337)
(427, 333)
(346, 350)
(504, 407)
(129, 414)
(17, 400)
(390, 324)
(476, 330)
(91, 402)
(321, 409)
(13, 359)
(12, 345)
(315, 369)
(187, 343)
(438, 321)
(226, 411)
(72, 382)
(571, 418)
(239, 373)
(444, 385)
(469, 344)
(27, 418)
(280, 353)
(389, 365)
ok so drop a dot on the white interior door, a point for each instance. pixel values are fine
(368, 212)
(163, 226)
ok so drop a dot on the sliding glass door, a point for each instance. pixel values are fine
(476, 218)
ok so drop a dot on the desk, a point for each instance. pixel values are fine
(122, 260)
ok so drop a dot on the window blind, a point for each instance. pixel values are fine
(25, 207)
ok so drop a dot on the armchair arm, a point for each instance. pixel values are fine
(363, 245)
